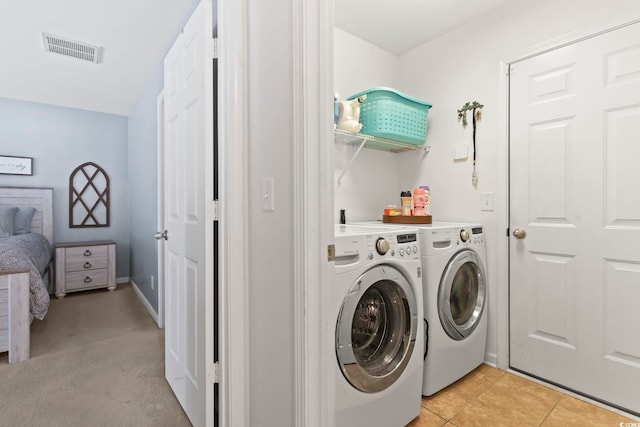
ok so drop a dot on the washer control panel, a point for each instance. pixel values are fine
(393, 245)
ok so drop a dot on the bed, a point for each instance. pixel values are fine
(26, 266)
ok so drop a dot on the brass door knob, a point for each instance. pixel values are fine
(519, 233)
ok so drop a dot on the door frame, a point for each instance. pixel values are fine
(311, 51)
(502, 199)
(160, 205)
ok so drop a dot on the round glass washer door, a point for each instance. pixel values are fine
(462, 294)
(376, 329)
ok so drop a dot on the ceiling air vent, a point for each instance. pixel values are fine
(72, 48)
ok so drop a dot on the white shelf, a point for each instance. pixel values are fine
(360, 141)
(356, 139)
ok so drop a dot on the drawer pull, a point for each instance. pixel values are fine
(87, 265)
(87, 253)
(87, 279)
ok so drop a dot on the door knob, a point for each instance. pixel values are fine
(162, 235)
(519, 233)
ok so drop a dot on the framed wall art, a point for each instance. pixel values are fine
(89, 196)
(14, 165)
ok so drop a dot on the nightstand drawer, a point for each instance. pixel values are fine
(86, 258)
(86, 279)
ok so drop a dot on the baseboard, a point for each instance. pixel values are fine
(145, 302)
(491, 359)
(121, 280)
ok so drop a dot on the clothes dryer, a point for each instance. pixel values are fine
(455, 292)
(379, 331)
(455, 298)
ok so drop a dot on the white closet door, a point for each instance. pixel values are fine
(574, 162)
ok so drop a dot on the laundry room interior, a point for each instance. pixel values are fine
(467, 168)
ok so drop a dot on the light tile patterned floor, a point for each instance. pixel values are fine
(491, 397)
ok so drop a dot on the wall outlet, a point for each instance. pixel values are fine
(487, 202)
(153, 285)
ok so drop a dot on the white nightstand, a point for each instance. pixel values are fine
(85, 265)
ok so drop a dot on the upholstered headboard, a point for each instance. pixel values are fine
(39, 198)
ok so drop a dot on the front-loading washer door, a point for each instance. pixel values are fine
(462, 294)
(376, 329)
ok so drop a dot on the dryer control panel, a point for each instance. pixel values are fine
(469, 236)
(439, 240)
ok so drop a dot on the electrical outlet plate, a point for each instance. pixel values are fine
(460, 151)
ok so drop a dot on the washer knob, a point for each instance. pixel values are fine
(382, 246)
(464, 235)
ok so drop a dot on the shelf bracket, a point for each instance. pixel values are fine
(364, 140)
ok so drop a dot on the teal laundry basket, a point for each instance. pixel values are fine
(390, 114)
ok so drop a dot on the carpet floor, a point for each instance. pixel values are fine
(97, 359)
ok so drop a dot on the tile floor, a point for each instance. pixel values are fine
(491, 397)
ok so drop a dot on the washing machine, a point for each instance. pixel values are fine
(379, 330)
(455, 298)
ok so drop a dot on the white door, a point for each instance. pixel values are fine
(574, 174)
(188, 123)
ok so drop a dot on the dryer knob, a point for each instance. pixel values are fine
(464, 235)
(382, 246)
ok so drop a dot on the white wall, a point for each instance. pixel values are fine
(372, 181)
(463, 66)
(270, 266)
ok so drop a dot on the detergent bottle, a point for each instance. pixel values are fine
(427, 199)
(419, 201)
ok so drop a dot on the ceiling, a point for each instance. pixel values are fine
(398, 26)
(135, 35)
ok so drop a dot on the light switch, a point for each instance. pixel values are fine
(487, 202)
(267, 195)
(460, 151)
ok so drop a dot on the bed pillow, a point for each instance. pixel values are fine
(6, 221)
(22, 220)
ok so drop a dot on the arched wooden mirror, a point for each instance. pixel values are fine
(88, 196)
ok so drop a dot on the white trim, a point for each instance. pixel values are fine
(233, 134)
(160, 206)
(574, 37)
(313, 176)
(145, 301)
(503, 148)
(491, 359)
(501, 287)
(299, 184)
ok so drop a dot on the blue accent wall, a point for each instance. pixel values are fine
(60, 139)
(143, 198)
(143, 181)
